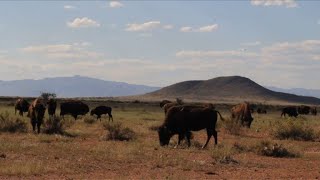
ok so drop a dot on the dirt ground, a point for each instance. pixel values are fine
(87, 155)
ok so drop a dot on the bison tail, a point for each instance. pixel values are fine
(220, 116)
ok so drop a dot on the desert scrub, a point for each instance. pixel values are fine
(12, 124)
(54, 126)
(266, 148)
(295, 130)
(117, 132)
(89, 120)
(223, 154)
(232, 126)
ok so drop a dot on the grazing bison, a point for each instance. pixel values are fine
(314, 111)
(183, 119)
(36, 113)
(261, 111)
(291, 111)
(52, 106)
(74, 108)
(163, 102)
(102, 110)
(21, 105)
(242, 112)
(304, 109)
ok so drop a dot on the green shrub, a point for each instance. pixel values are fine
(117, 132)
(266, 148)
(294, 130)
(9, 124)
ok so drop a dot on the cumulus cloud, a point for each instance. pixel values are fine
(115, 4)
(63, 51)
(69, 7)
(286, 3)
(168, 26)
(214, 54)
(83, 23)
(147, 26)
(208, 28)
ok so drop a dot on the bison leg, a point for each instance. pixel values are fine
(110, 117)
(33, 122)
(215, 135)
(210, 132)
(180, 138)
(188, 136)
(38, 126)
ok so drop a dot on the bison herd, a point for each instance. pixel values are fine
(36, 110)
(180, 118)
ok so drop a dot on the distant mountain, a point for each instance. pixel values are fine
(231, 88)
(298, 91)
(76, 86)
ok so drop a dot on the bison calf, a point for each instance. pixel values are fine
(181, 120)
(100, 110)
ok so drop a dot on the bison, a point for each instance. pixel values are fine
(261, 111)
(36, 113)
(74, 108)
(102, 110)
(242, 112)
(314, 111)
(52, 106)
(21, 105)
(164, 102)
(291, 111)
(304, 109)
(182, 119)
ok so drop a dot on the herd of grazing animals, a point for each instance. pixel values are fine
(179, 119)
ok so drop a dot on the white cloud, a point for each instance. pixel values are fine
(318, 22)
(168, 26)
(147, 26)
(208, 28)
(69, 7)
(286, 3)
(63, 51)
(214, 54)
(83, 22)
(115, 4)
(186, 29)
(256, 43)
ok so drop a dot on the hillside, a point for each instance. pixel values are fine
(76, 86)
(231, 88)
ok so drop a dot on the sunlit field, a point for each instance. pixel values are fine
(85, 151)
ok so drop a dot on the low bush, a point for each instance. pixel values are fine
(266, 148)
(294, 130)
(54, 126)
(223, 154)
(232, 126)
(117, 132)
(12, 124)
(89, 120)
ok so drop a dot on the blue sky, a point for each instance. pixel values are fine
(273, 42)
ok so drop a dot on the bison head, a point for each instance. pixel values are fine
(164, 135)
(248, 122)
(92, 112)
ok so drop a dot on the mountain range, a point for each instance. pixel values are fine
(76, 86)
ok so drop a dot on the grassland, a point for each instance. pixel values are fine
(86, 154)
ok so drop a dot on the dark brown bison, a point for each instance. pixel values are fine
(36, 113)
(52, 106)
(183, 119)
(163, 102)
(242, 112)
(291, 111)
(261, 111)
(304, 109)
(21, 105)
(102, 110)
(314, 111)
(74, 108)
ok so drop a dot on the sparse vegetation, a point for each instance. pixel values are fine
(223, 154)
(54, 126)
(12, 124)
(266, 148)
(117, 132)
(232, 126)
(295, 130)
(89, 119)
